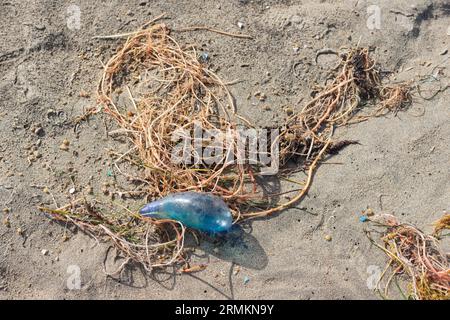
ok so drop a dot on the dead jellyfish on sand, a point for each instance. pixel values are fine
(197, 210)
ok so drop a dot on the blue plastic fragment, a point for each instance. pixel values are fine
(204, 56)
(363, 219)
(246, 280)
(197, 210)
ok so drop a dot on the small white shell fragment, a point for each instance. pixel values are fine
(72, 190)
(240, 25)
(44, 252)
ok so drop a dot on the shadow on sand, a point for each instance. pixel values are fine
(237, 246)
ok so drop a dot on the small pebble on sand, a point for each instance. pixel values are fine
(65, 145)
(6, 222)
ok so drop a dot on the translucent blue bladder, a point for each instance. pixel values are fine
(197, 210)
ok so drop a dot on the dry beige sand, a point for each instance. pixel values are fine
(46, 61)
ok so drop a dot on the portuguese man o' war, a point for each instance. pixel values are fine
(197, 210)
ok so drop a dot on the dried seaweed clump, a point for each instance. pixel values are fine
(414, 255)
(154, 87)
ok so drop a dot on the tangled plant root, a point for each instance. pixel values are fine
(169, 89)
(151, 243)
(415, 255)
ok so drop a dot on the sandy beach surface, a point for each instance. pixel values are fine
(400, 166)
